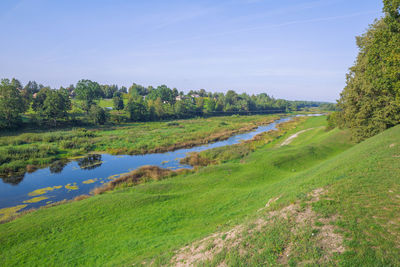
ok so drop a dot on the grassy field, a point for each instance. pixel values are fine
(328, 189)
(26, 151)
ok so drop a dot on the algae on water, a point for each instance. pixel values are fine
(90, 181)
(42, 191)
(35, 199)
(72, 186)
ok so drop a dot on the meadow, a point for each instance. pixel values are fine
(277, 205)
(29, 150)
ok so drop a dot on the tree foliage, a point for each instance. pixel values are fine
(370, 102)
(118, 101)
(50, 106)
(97, 115)
(56, 105)
(137, 110)
(11, 104)
(88, 91)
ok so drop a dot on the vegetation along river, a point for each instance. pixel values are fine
(66, 180)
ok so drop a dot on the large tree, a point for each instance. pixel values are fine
(370, 102)
(31, 87)
(118, 101)
(38, 101)
(97, 115)
(136, 109)
(56, 105)
(11, 104)
(87, 91)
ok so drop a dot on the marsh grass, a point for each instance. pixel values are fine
(142, 175)
(20, 152)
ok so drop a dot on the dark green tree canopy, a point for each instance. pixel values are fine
(137, 109)
(32, 87)
(11, 104)
(118, 101)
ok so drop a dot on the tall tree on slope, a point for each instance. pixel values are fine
(370, 102)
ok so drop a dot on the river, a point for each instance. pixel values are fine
(66, 180)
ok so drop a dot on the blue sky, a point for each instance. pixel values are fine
(292, 49)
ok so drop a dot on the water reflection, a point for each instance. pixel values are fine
(13, 180)
(90, 162)
(58, 166)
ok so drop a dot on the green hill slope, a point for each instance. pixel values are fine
(150, 222)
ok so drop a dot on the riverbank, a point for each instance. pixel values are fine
(149, 223)
(26, 152)
(238, 151)
(70, 180)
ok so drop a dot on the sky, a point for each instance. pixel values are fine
(291, 49)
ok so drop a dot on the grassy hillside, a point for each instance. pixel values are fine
(150, 222)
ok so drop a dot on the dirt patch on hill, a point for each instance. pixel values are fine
(301, 216)
(294, 136)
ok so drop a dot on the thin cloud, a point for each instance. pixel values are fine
(273, 26)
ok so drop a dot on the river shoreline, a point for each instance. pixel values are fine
(86, 172)
(214, 137)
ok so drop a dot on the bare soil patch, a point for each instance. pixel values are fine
(294, 136)
(326, 238)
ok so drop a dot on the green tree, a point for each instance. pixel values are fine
(210, 106)
(11, 105)
(32, 87)
(370, 102)
(199, 105)
(16, 83)
(180, 109)
(109, 90)
(87, 91)
(137, 89)
(56, 105)
(162, 92)
(38, 101)
(118, 101)
(136, 109)
(97, 115)
(123, 90)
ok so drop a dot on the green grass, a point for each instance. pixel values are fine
(128, 138)
(238, 151)
(106, 103)
(150, 221)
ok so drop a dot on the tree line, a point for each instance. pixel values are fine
(370, 102)
(77, 104)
